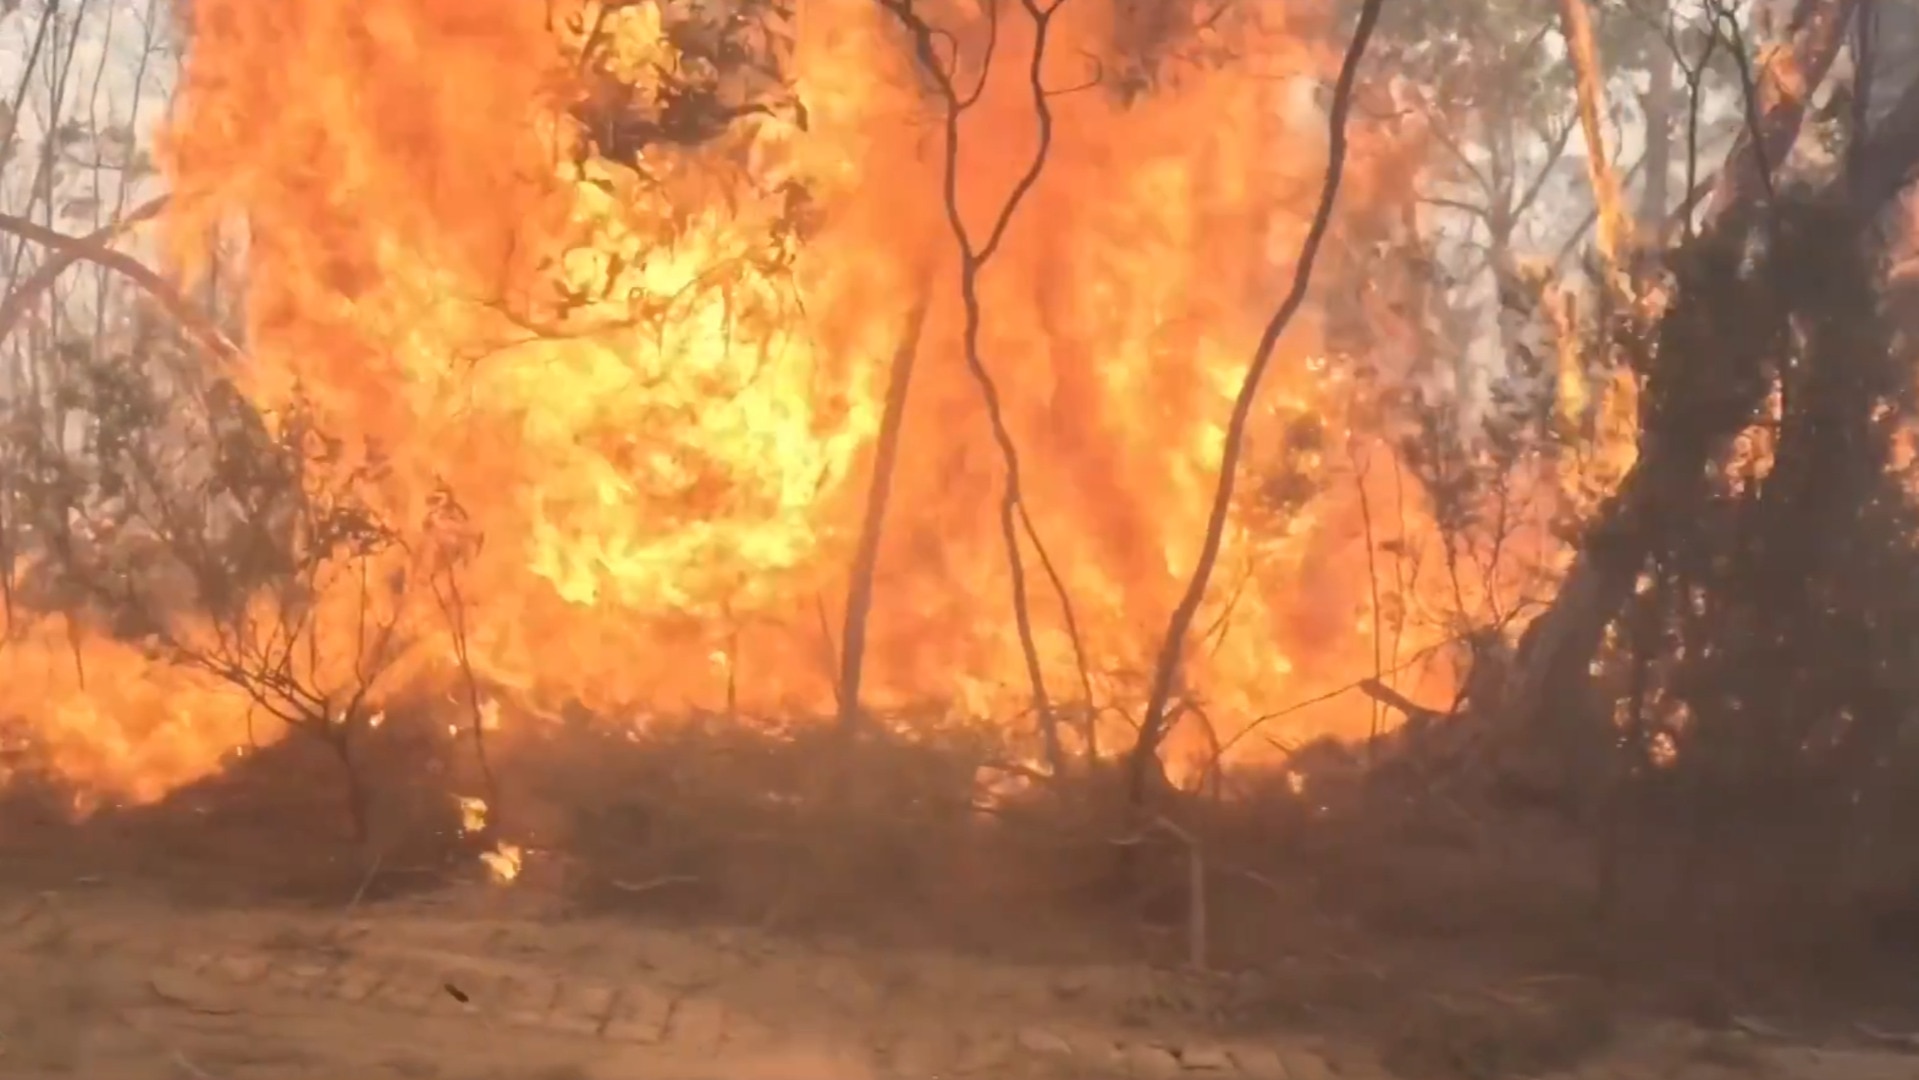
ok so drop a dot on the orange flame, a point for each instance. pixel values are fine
(656, 401)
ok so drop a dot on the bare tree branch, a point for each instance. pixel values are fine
(975, 253)
(1166, 669)
(94, 249)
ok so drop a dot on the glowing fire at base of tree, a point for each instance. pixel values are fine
(572, 325)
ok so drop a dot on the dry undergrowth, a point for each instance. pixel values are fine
(1468, 936)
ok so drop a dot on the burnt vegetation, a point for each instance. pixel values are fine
(1689, 761)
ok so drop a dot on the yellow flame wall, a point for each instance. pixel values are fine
(669, 476)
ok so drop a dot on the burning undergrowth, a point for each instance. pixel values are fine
(925, 829)
(586, 387)
(681, 374)
(275, 823)
(919, 816)
(602, 477)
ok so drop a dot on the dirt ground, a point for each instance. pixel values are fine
(483, 983)
(234, 932)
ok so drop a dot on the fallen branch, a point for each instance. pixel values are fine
(1412, 710)
(1412, 660)
(638, 888)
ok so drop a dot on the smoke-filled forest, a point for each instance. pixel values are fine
(1420, 491)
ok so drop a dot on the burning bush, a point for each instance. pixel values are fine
(611, 373)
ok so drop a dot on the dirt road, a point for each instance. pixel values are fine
(108, 988)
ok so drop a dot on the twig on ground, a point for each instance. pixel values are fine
(1760, 1028)
(634, 888)
(186, 1065)
(1904, 1040)
(366, 881)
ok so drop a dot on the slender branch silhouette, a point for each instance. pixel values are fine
(975, 253)
(1172, 651)
(94, 249)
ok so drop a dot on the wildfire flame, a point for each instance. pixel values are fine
(654, 396)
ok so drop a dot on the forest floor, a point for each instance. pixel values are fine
(477, 983)
(233, 933)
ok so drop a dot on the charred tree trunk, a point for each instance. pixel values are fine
(339, 739)
(1675, 450)
(859, 593)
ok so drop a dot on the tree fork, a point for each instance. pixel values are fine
(974, 255)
